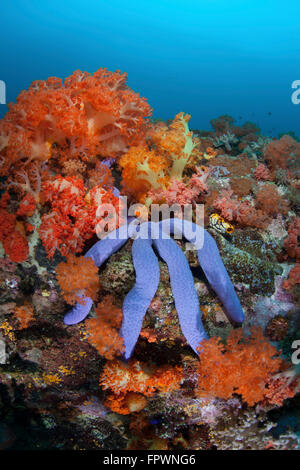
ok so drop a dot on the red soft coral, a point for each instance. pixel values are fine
(7, 224)
(75, 215)
(182, 193)
(67, 194)
(14, 243)
(16, 247)
(279, 387)
(27, 206)
(177, 193)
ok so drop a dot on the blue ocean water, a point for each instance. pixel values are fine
(203, 57)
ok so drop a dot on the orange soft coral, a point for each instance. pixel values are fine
(25, 315)
(143, 169)
(126, 403)
(243, 366)
(139, 378)
(103, 331)
(78, 277)
(85, 115)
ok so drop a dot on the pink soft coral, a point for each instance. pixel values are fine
(281, 386)
(242, 212)
(182, 193)
(262, 172)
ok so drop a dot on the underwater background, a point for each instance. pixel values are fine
(208, 58)
(145, 344)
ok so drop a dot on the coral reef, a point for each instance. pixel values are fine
(71, 149)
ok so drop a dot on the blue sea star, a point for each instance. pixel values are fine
(146, 266)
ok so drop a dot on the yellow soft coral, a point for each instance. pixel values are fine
(177, 141)
(168, 152)
(143, 169)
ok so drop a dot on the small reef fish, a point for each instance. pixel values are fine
(218, 223)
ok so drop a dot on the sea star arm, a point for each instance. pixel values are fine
(211, 263)
(213, 267)
(185, 295)
(99, 253)
(79, 312)
(138, 299)
(217, 276)
(104, 248)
